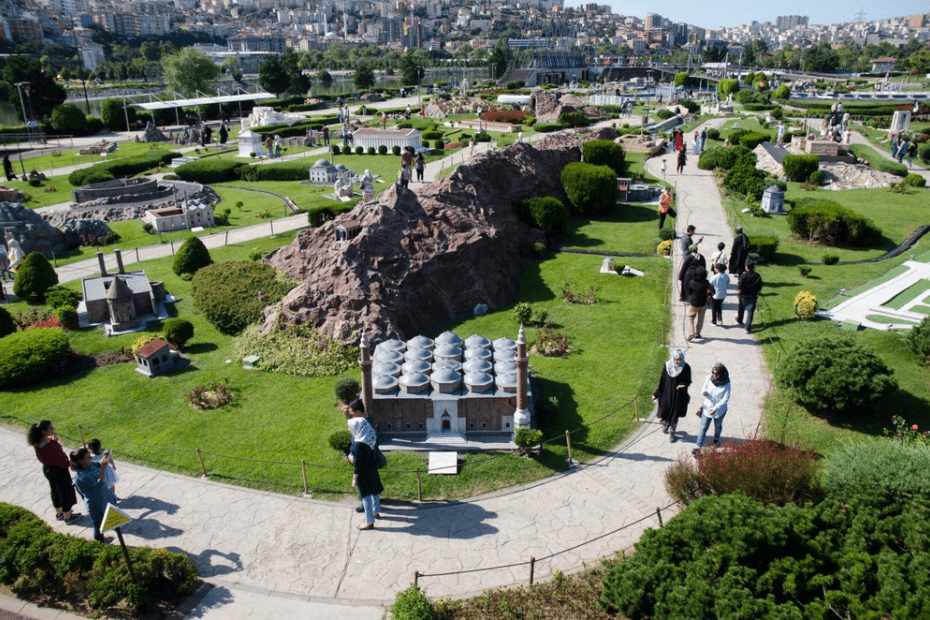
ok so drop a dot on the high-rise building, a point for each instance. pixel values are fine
(917, 21)
(653, 20)
(787, 22)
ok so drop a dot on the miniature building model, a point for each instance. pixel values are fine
(446, 390)
(773, 200)
(120, 298)
(154, 358)
(180, 217)
(324, 173)
(347, 230)
(370, 137)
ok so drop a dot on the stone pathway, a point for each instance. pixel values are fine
(299, 557)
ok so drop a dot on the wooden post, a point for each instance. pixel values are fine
(55, 259)
(172, 246)
(416, 578)
(659, 514)
(137, 255)
(202, 466)
(122, 544)
(532, 568)
(636, 407)
(271, 224)
(419, 486)
(777, 358)
(303, 468)
(568, 442)
(81, 433)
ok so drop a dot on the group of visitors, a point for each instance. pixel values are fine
(407, 166)
(93, 474)
(273, 146)
(903, 146)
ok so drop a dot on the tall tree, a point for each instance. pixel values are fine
(43, 92)
(412, 65)
(497, 61)
(298, 83)
(364, 74)
(189, 71)
(272, 76)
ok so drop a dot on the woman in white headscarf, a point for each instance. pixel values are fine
(366, 478)
(672, 393)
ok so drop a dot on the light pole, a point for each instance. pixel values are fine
(19, 87)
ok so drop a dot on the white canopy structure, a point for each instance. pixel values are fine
(181, 103)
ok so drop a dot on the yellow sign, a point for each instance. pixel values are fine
(113, 517)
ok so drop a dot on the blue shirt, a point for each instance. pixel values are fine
(95, 492)
(716, 400)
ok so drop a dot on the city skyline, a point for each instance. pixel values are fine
(731, 13)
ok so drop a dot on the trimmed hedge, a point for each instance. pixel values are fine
(211, 170)
(35, 276)
(30, 356)
(38, 562)
(765, 246)
(123, 167)
(318, 214)
(830, 223)
(725, 158)
(191, 257)
(798, 168)
(227, 293)
(546, 213)
(878, 161)
(604, 153)
(915, 180)
(591, 189)
(298, 170)
(546, 127)
(879, 472)
(746, 179)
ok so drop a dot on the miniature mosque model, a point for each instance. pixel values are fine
(447, 390)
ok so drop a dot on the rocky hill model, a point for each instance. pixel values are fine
(426, 255)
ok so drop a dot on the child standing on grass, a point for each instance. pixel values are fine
(98, 455)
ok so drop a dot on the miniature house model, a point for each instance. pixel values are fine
(773, 200)
(370, 137)
(347, 230)
(154, 358)
(180, 217)
(324, 173)
(447, 390)
(120, 298)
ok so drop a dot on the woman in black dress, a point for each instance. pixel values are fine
(366, 478)
(672, 393)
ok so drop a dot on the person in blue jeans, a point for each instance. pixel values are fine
(748, 287)
(716, 392)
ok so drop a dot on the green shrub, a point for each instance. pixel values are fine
(67, 118)
(191, 256)
(816, 177)
(778, 113)
(830, 223)
(726, 158)
(341, 441)
(412, 604)
(830, 259)
(432, 135)
(395, 149)
(38, 562)
(359, 150)
(97, 176)
(915, 180)
(923, 152)
(591, 189)
(604, 153)
(752, 139)
(123, 166)
(526, 438)
(318, 214)
(35, 182)
(371, 150)
(918, 339)
(522, 313)
(439, 145)
(346, 149)
(747, 180)
(664, 114)
(112, 115)
(713, 133)
(541, 127)
(58, 296)
(765, 246)
(667, 234)
(228, 293)
(296, 350)
(804, 270)
(7, 324)
(732, 557)
(94, 126)
(337, 150)
(835, 373)
(764, 470)
(798, 168)
(782, 92)
(878, 161)
(208, 171)
(67, 316)
(573, 119)
(725, 87)
(382, 149)
(35, 276)
(881, 472)
(546, 213)
(540, 250)
(30, 356)
(178, 331)
(482, 136)
(346, 389)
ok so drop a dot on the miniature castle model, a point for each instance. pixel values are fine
(120, 298)
(447, 390)
(179, 217)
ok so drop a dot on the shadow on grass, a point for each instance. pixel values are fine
(864, 421)
(532, 287)
(201, 347)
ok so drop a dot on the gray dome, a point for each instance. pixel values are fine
(505, 355)
(446, 375)
(504, 343)
(418, 354)
(447, 350)
(340, 167)
(505, 368)
(448, 338)
(389, 356)
(451, 364)
(507, 381)
(384, 383)
(478, 378)
(477, 353)
(418, 366)
(385, 369)
(477, 365)
(413, 379)
(477, 341)
(392, 345)
(420, 342)
(321, 163)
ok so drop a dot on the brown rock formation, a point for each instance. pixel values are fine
(548, 108)
(427, 255)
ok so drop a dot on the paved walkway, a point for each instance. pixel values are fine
(296, 557)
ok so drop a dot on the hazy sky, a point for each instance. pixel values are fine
(716, 13)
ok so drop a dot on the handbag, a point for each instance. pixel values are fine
(699, 411)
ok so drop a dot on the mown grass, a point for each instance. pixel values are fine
(284, 419)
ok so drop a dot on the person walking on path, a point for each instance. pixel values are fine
(719, 284)
(277, 145)
(698, 287)
(326, 135)
(421, 165)
(682, 160)
(224, 133)
(911, 153)
(90, 480)
(719, 257)
(739, 253)
(383, 120)
(687, 240)
(404, 176)
(693, 260)
(716, 393)
(672, 393)
(750, 283)
(269, 146)
(365, 477)
(55, 466)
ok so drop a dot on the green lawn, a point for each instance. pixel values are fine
(70, 157)
(286, 419)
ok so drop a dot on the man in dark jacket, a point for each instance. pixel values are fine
(688, 265)
(740, 252)
(750, 283)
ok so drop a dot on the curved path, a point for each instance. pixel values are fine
(297, 557)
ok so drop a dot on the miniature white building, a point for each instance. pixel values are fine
(154, 358)
(773, 200)
(266, 115)
(322, 171)
(180, 217)
(370, 137)
(249, 142)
